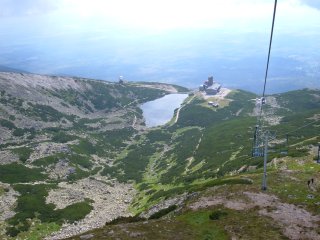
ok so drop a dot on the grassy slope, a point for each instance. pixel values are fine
(175, 157)
(187, 156)
(286, 180)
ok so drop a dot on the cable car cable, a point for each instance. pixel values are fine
(270, 44)
(256, 151)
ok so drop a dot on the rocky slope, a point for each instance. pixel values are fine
(236, 209)
(58, 133)
(75, 154)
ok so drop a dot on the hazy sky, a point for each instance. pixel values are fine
(157, 15)
(152, 39)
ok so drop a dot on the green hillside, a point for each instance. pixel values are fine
(71, 148)
(240, 211)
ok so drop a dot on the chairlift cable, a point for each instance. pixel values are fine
(287, 133)
(270, 139)
(262, 100)
(268, 60)
(297, 129)
(270, 44)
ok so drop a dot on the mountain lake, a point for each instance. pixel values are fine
(160, 111)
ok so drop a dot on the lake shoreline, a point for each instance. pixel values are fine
(160, 111)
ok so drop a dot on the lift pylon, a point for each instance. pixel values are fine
(257, 148)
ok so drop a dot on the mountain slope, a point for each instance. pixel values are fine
(60, 131)
(77, 151)
(227, 210)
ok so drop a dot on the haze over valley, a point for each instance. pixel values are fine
(164, 42)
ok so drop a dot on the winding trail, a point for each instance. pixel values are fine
(177, 116)
(178, 112)
(134, 121)
(191, 159)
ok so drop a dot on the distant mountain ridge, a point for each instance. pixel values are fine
(13, 70)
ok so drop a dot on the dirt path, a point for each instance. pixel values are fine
(134, 121)
(191, 159)
(177, 116)
(178, 112)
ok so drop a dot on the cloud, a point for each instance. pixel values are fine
(17, 8)
(312, 3)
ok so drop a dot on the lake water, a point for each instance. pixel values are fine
(161, 110)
